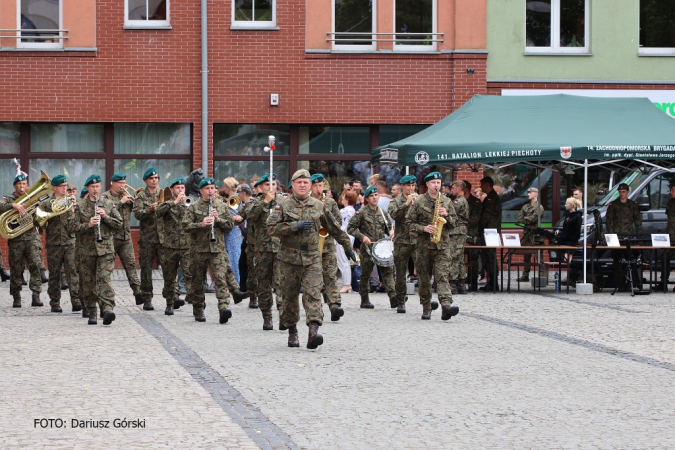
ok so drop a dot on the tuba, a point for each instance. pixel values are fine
(60, 206)
(323, 234)
(12, 224)
(165, 195)
(234, 202)
(437, 221)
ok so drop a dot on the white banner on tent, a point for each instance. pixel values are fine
(663, 99)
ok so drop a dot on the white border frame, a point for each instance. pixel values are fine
(260, 24)
(555, 32)
(419, 48)
(38, 45)
(354, 48)
(147, 23)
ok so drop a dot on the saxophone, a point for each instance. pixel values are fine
(437, 221)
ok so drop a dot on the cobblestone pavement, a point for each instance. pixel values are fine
(522, 370)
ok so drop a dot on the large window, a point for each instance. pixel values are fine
(146, 13)
(556, 26)
(353, 23)
(9, 138)
(254, 13)
(416, 23)
(657, 26)
(45, 15)
(334, 139)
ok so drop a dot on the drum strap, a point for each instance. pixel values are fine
(386, 227)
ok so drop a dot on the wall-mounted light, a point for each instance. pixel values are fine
(470, 71)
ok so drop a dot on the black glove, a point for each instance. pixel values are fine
(304, 225)
(351, 255)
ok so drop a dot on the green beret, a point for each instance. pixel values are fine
(369, 191)
(119, 177)
(290, 185)
(207, 182)
(148, 173)
(20, 177)
(59, 179)
(93, 179)
(83, 192)
(408, 179)
(433, 176)
(264, 179)
(177, 181)
(317, 178)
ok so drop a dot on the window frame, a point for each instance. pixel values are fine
(253, 24)
(38, 45)
(555, 47)
(652, 51)
(336, 47)
(147, 24)
(407, 48)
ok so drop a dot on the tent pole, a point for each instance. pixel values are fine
(585, 212)
(407, 170)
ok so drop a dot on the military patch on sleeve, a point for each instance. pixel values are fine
(277, 207)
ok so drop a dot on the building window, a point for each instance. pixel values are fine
(353, 23)
(9, 138)
(254, 13)
(152, 138)
(319, 139)
(40, 15)
(66, 137)
(146, 13)
(415, 25)
(559, 26)
(237, 139)
(657, 27)
(339, 172)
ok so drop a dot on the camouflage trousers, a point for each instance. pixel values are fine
(472, 258)
(125, 251)
(367, 265)
(59, 256)
(147, 253)
(267, 270)
(294, 276)
(402, 254)
(252, 280)
(96, 272)
(22, 253)
(330, 291)
(218, 263)
(437, 263)
(171, 259)
(457, 266)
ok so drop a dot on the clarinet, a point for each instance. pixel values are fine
(213, 231)
(99, 238)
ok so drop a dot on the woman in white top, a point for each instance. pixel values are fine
(347, 200)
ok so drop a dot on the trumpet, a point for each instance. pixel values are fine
(131, 192)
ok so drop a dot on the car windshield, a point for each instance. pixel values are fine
(634, 180)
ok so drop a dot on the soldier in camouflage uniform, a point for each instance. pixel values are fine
(3, 273)
(204, 223)
(98, 258)
(475, 210)
(79, 257)
(458, 238)
(670, 229)
(623, 218)
(61, 247)
(404, 240)
(296, 221)
(175, 244)
(124, 247)
(369, 225)
(23, 249)
(433, 259)
(252, 276)
(148, 240)
(330, 291)
(530, 216)
(491, 217)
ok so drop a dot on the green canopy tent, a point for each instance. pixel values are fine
(542, 131)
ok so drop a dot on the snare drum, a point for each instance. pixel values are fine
(383, 253)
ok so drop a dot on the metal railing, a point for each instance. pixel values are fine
(56, 34)
(401, 37)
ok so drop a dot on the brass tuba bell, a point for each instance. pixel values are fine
(12, 224)
(234, 202)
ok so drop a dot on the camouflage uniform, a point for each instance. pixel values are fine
(330, 291)
(458, 239)
(620, 220)
(205, 254)
(149, 246)
(491, 217)
(472, 233)
(61, 253)
(23, 249)
(529, 217)
(124, 247)
(299, 257)
(432, 259)
(97, 259)
(175, 245)
(670, 229)
(404, 245)
(252, 277)
(375, 225)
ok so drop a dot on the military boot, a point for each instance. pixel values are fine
(56, 308)
(92, 317)
(17, 301)
(77, 306)
(336, 313)
(169, 308)
(401, 307)
(461, 288)
(267, 324)
(108, 318)
(36, 300)
(449, 311)
(177, 303)
(3, 274)
(426, 314)
(43, 276)
(282, 327)
(199, 316)
(525, 277)
(434, 305)
(225, 315)
(253, 303)
(147, 305)
(293, 340)
(139, 299)
(85, 312)
(238, 296)
(314, 339)
(453, 287)
(64, 283)
(393, 303)
(365, 303)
